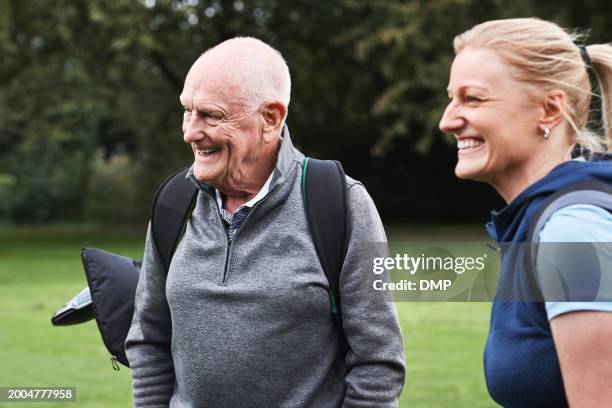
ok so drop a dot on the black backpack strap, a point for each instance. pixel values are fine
(324, 192)
(172, 205)
(588, 192)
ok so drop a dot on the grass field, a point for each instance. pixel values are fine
(40, 269)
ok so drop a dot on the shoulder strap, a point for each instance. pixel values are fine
(172, 206)
(588, 192)
(324, 192)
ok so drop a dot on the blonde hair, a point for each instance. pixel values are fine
(546, 57)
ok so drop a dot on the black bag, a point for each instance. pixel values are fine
(112, 279)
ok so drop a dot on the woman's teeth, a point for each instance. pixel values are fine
(469, 143)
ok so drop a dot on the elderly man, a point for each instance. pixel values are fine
(242, 319)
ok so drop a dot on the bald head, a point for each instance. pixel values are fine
(245, 70)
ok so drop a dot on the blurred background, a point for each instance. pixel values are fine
(90, 125)
(90, 118)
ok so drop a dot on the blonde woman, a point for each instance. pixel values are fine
(519, 97)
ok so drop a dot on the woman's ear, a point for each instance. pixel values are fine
(273, 114)
(553, 108)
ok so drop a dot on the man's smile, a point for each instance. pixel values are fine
(207, 152)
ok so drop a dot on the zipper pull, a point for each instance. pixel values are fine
(114, 363)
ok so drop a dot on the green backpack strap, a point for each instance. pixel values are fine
(324, 191)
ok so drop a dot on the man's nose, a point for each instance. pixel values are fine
(451, 121)
(193, 128)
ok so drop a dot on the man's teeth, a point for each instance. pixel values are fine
(468, 143)
(206, 152)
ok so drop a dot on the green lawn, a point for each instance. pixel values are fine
(40, 269)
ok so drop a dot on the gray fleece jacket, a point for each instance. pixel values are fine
(249, 324)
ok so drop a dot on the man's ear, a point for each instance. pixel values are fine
(273, 114)
(553, 108)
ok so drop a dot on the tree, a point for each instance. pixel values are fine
(84, 81)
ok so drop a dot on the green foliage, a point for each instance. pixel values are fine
(368, 80)
(49, 143)
(112, 193)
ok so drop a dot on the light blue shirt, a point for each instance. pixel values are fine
(579, 223)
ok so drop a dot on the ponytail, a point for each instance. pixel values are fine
(601, 61)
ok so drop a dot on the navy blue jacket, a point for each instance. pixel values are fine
(520, 361)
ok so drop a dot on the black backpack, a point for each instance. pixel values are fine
(112, 279)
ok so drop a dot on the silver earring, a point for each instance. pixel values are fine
(546, 133)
